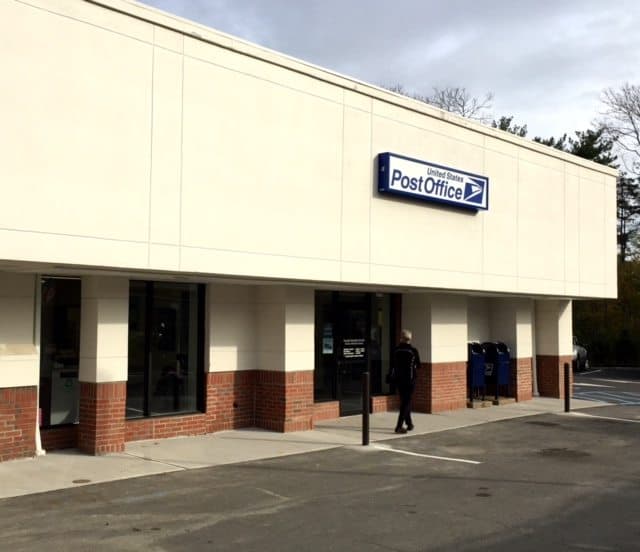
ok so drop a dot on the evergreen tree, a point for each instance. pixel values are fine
(507, 124)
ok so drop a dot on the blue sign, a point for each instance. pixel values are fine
(426, 181)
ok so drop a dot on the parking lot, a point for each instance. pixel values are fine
(613, 385)
(552, 481)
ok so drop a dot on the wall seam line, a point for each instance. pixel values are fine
(153, 67)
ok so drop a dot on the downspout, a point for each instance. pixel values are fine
(534, 367)
(37, 312)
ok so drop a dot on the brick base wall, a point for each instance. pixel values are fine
(231, 400)
(284, 400)
(521, 378)
(440, 387)
(165, 427)
(102, 406)
(550, 370)
(18, 415)
(328, 410)
(56, 438)
(422, 393)
(385, 403)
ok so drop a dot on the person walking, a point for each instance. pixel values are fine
(406, 360)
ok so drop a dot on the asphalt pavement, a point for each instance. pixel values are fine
(550, 481)
(69, 468)
(523, 477)
(612, 385)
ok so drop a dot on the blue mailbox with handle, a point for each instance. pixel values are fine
(476, 370)
(504, 364)
(498, 366)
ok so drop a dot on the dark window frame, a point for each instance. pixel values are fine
(149, 287)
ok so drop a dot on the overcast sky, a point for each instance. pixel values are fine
(546, 61)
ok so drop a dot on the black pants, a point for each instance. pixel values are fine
(405, 407)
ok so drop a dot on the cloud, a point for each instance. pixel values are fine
(543, 60)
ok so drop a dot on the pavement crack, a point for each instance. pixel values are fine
(271, 493)
(145, 459)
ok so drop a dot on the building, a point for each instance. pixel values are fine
(199, 234)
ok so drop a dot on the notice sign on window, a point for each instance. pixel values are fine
(327, 345)
(353, 348)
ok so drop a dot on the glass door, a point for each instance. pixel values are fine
(352, 357)
(354, 332)
(60, 351)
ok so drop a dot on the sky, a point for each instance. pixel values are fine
(546, 61)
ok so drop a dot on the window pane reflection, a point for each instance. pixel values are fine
(165, 345)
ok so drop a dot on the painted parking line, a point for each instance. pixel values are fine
(620, 397)
(617, 381)
(585, 415)
(590, 372)
(590, 385)
(408, 453)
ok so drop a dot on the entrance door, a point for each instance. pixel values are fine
(354, 333)
(352, 322)
(60, 351)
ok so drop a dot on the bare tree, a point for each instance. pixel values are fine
(453, 99)
(622, 121)
(458, 100)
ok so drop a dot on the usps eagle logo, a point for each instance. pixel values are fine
(474, 191)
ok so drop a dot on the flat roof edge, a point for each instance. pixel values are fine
(201, 32)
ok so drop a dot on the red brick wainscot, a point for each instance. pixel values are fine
(385, 403)
(284, 400)
(61, 437)
(230, 404)
(231, 400)
(550, 370)
(327, 410)
(163, 427)
(18, 414)
(440, 387)
(102, 407)
(521, 378)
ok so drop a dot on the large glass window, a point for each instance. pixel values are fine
(166, 340)
(59, 345)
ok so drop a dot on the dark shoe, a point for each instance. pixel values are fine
(410, 428)
(400, 430)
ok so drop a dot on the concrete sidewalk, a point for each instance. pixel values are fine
(69, 468)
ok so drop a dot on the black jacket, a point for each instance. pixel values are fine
(406, 360)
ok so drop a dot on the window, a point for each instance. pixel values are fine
(166, 346)
(59, 346)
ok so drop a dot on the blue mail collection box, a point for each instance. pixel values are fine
(497, 363)
(476, 366)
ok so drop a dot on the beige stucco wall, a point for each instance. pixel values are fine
(438, 323)
(104, 329)
(478, 319)
(285, 328)
(260, 327)
(126, 144)
(19, 332)
(231, 319)
(553, 331)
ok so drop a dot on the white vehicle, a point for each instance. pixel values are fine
(580, 356)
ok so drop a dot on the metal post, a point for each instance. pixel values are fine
(365, 408)
(567, 387)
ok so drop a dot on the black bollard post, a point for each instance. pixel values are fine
(567, 387)
(365, 408)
